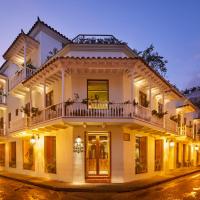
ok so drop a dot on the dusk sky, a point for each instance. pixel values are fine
(172, 26)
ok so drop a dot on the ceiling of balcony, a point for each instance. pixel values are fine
(15, 53)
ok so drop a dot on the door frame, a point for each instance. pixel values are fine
(98, 178)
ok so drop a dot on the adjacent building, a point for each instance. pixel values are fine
(90, 110)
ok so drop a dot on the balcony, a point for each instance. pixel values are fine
(189, 132)
(171, 125)
(2, 132)
(17, 125)
(96, 39)
(102, 110)
(3, 99)
(20, 76)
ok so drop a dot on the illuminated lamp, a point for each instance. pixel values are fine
(78, 145)
(171, 143)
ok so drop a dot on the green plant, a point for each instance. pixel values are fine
(33, 111)
(85, 101)
(174, 118)
(2, 93)
(146, 104)
(135, 103)
(51, 167)
(52, 53)
(69, 102)
(158, 114)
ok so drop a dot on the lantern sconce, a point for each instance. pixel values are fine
(171, 142)
(78, 145)
(33, 139)
(196, 148)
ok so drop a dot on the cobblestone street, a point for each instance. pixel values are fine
(182, 188)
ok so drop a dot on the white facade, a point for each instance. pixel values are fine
(127, 121)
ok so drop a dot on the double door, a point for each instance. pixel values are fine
(97, 155)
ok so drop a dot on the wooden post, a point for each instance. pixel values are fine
(25, 58)
(44, 99)
(163, 103)
(150, 96)
(63, 91)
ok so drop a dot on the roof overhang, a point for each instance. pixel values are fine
(187, 108)
(93, 63)
(15, 52)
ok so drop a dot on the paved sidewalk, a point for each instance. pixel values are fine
(107, 187)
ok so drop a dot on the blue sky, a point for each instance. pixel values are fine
(172, 26)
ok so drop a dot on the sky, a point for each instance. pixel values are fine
(172, 26)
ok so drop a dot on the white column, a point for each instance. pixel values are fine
(4, 122)
(163, 103)
(44, 98)
(44, 92)
(63, 90)
(30, 97)
(132, 88)
(150, 97)
(24, 57)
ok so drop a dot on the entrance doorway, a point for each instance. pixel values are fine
(97, 156)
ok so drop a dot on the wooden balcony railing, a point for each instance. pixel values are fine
(171, 125)
(197, 137)
(3, 99)
(189, 132)
(100, 111)
(2, 131)
(20, 76)
(18, 124)
(96, 110)
(51, 112)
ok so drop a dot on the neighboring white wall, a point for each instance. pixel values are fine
(47, 44)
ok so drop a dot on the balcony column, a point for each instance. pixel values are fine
(150, 96)
(25, 45)
(163, 103)
(44, 98)
(63, 91)
(4, 122)
(44, 92)
(30, 98)
(132, 88)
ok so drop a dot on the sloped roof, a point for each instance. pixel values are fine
(49, 27)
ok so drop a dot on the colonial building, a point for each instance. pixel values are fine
(90, 110)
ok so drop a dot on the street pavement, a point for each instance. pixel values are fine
(186, 188)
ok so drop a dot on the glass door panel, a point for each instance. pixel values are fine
(91, 158)
(103, 155)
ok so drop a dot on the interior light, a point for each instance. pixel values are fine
(171, 143)
(32, 140)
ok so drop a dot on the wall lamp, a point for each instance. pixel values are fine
(171, 142)
(33, 138)
(78, 145)
(196, 148)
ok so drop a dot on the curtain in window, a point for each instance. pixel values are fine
(12, 157)
(2, 154)
(158, 155)
(50, 154)
(28, 155)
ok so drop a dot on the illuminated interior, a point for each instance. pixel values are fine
(50, 154)
(97, 155)
(98, 94)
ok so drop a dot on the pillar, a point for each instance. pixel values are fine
(150, 96)
(63, 90)
(163, 103)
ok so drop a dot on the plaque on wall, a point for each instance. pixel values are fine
(126, 137)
